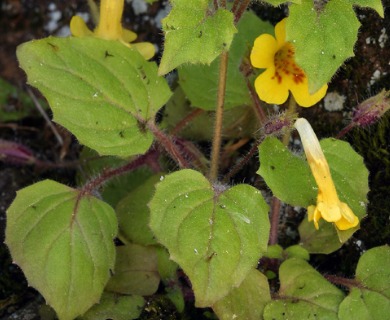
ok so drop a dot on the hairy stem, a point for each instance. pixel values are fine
(240, 9)
(111, 173)
(275, 207)
(345, 130)
(239, 165)
(345, 282)
(275, 210)
(169, 146)
(216, 148)
(292, 108)
(187, 119)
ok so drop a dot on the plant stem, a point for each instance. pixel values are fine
(216, 148)
(168, 145)
(238, 166)
(292, 107)
(109, 174)
(348, 283)
(275, 211)
(345, 130)
(275, 207)
(184, 122)
(239, 10)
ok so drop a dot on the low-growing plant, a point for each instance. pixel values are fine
(180, 221)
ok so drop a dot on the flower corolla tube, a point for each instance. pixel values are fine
(329, 207)
(110, 28)
(282, 75)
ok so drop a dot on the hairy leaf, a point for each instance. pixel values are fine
(288, 175)
(133, 213)
(200, 82)
(63, 241)
(114, 306)
(371, 299)
(247, 301)
(101, 91)
(135, 271)
(303, 294)
(322, 41)
(215, 234)
(195, 34)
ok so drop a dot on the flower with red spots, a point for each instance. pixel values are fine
(282, 74)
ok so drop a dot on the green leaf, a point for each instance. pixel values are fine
(135, 271)
(113, 306)
(215, 234)
(274, 251)
(166, 267)
(350, 177)
(63, 241)
(99, 90)
(198, 79)
(373, 4)
(324, 240)
(303, 294)
(371, 298)
(247, 301)
(195, 34)
(133, 214)
(287, 175)
(296, 251)
(322, 41)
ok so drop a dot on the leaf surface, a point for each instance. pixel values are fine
(63, 243)
(135, 271)
(215, 234)
(322, 41)
(196, 80)
(101, 91)
(288, 175)
(304, 294)
(247, 301)
(195, 34)
(113, 306)
(133, 213)
(370, 300)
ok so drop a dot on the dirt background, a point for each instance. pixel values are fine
(361, 77)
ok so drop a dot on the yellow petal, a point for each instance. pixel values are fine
(331, 212)
(303, 97)
(263, 51)
(269, 89)
(78, 28)
(314, 215)
(128, 35)
(280, 32)
(110, 27)
(146, 49)
(344, 224)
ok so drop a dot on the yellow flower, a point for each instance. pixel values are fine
(328, 205)
(110, 28)
(282, 74)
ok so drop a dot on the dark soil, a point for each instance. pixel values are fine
(21, 21)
